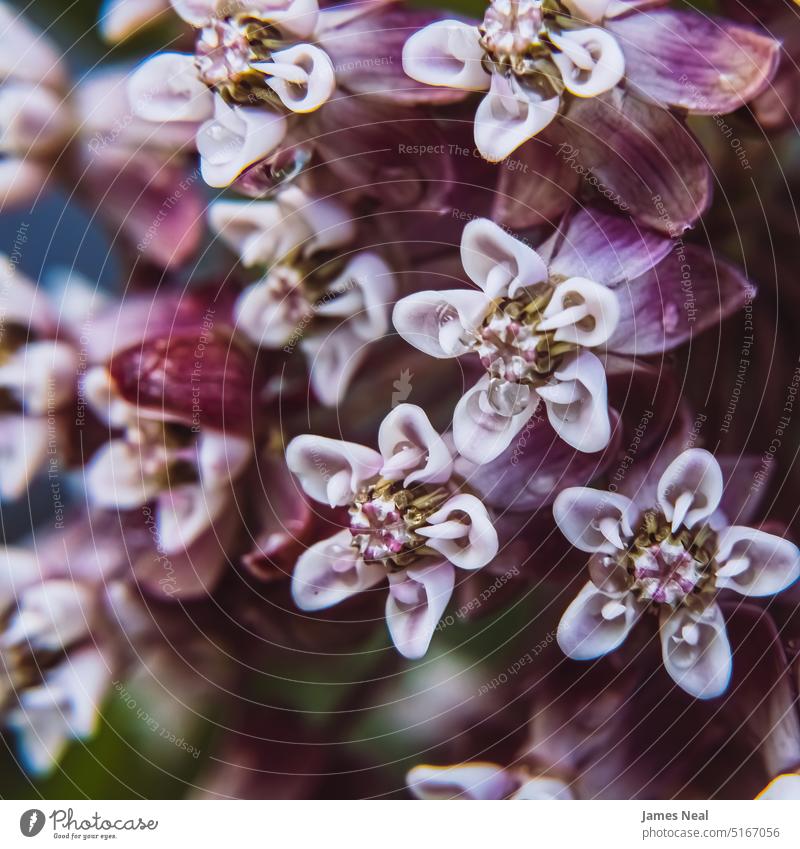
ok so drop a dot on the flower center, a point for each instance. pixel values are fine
(668, 568)
(510, 345)
(384, 519)
(511, 27)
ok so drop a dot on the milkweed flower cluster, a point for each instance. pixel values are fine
(406, 313)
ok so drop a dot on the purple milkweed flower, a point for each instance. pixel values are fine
(668, 550)
(539, 316)
(329, 308)
(409, 521)
(249, 69)
(530, 55)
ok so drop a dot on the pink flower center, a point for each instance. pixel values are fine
(379, 529)
(666, 573)
(223, 52)
(511, 27)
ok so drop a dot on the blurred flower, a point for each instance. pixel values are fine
(313, 294)
(669, 551)
(409, 522)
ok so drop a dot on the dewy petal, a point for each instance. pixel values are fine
(596, 623)
(590, 61)
(482, 430)
(690, 488)
(24, 443)
(331, 471)
(461, 781)
(116, 477)
(440, 324)
(236, 138)
(415, 604)
(331, 571)
(446, 53)
(784, 787)
(469, 545)
(594, 520)
(755, 563)
(508, 116)
(696, 651)
(569, 320)
(120, 19)
(166, 88)
(497, 262)
(577, 403)
(301, 75)
(412, 449)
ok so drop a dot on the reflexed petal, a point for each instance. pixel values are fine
(269, 315)
(461, 781)
(690, 60)
(591, 11)
(590, 61)
(440, 324)
(166, 88)
(696, 651)
(415, 604)
(222, 457)
(755, 563)
(298, 17)
(41, 376)
(412, 449)
(23, 449)
(331, 471)
(690, 488)
(333, 360)
(184, 513)
(302, 76)
(497, 262)
(577, 403)
(116, 476)
(508, 116)
(236, 138)
(594, 520)
(596, 623)
(784, 787)
(122, 18)
(331, 571)
(587, 324)
(469, 545)
(489, 416)
(446, 53)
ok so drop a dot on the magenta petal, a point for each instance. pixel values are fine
(642, 155)
(702, 64)
(605, 248)
(687, 293)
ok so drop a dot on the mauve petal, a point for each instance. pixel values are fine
(690, 488)
(785, 787)
(755, 563)
(415, 604)
(595, 521)
(20, 181)
(446, 53)
(644, 155)
(479, 543)
(687, 293)
(408, 431)
(689, 60)
(24, 444)
(696, 651)
(120, 19)
(367, 55)
(461, 781)
(329, 572)
(604, 247)
(333, 359)
(596, 623)
(165, 87)
(185, 513)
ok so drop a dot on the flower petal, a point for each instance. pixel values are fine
(508, 116)
(696, 651)
(461, 781)
(412, 449)
(166, 88)
(120, 19)
(544, 789)
(236, 138)
(297, 17)
(120, 476)
(582, 312)
(333, 360)
(415, 604)
(690, 488)
(497, 262)
(469, 545)
(784, 787)
(24, 443)
(489, 416)
(594, 520)
(440, 324)
(446, 53)
(41, 376)
(596, 623)
(184, 513)
(577, 402)
(331, 471)
(301, 75)
(755, 563)
(591, 62)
